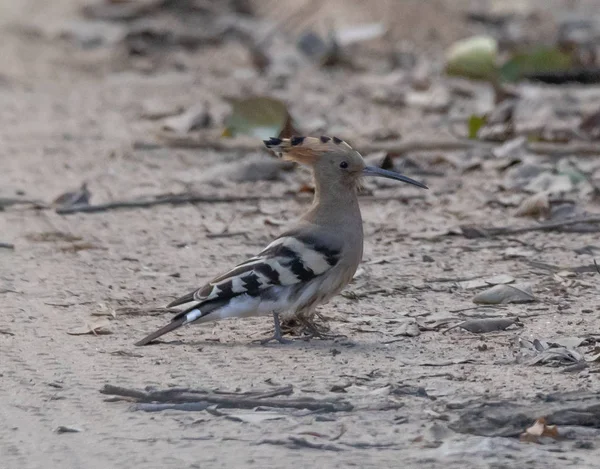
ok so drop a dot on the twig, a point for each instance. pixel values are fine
(187, 406)
(588, 178)
(510, 230)
(125, 392)
(457, 361)
(226, 234)
(214, 141)
(340, 434)
(162, 199)
(400, 147)
(558, 150)
(542, 148)
(391, 341)
(295, 442)
(150, 311)
(210, 140)
(7, 246)
(8, 201)
(580, 269)
(202, 398)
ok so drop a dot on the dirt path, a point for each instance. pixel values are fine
(70, 115)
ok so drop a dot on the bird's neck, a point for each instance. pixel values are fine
(335, 203)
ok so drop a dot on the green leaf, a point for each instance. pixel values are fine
(474, 57)
(540, 59)
(258, 116)
(475, 123)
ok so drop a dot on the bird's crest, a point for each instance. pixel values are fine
(306, 149)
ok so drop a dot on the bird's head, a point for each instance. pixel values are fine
(332, 160)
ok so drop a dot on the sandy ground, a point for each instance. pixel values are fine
(68, 116)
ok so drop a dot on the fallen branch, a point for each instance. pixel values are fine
(9, 201)
(294, 442)
(187, 406)
(209, 140)
(478, 232)
(161, 199)
(198, 399)
(400, 147)
(214, 141)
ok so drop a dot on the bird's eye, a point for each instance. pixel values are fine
(343, 164)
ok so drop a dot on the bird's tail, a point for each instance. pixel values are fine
(181, 319)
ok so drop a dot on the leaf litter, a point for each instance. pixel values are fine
(515, 133)
(95, 327)
(479, 326)
(503, 294)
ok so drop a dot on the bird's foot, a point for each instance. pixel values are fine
(312, 330)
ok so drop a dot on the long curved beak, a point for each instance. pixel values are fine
(384, 173)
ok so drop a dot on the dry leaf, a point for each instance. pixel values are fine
(478, 326)
(52, 236)
(502, 294)
(104, 310)
(274, 222)
(255, 417)
(196, 117)
(473, 57)
(154, 109)
(568, 342)
(259, 116)
(360, 33)
(408, 328)
(92, 327)
(536, 206)
(550, 182)
(79, 197)
(540, 352)
(539, 429)
(65, 429)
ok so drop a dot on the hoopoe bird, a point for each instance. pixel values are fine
(309, 263)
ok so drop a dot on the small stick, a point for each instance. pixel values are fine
(399, 147)
(295, 442)
(510, 230)
(163, 199)
(7, 246)
(232, 400)
(186, 406)
(210, 140)
(9, 201)
(227, 234)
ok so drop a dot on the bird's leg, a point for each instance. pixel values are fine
(277, 335)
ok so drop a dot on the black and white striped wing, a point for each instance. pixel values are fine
(297, 256)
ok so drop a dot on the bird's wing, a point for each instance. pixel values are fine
(298, 255)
